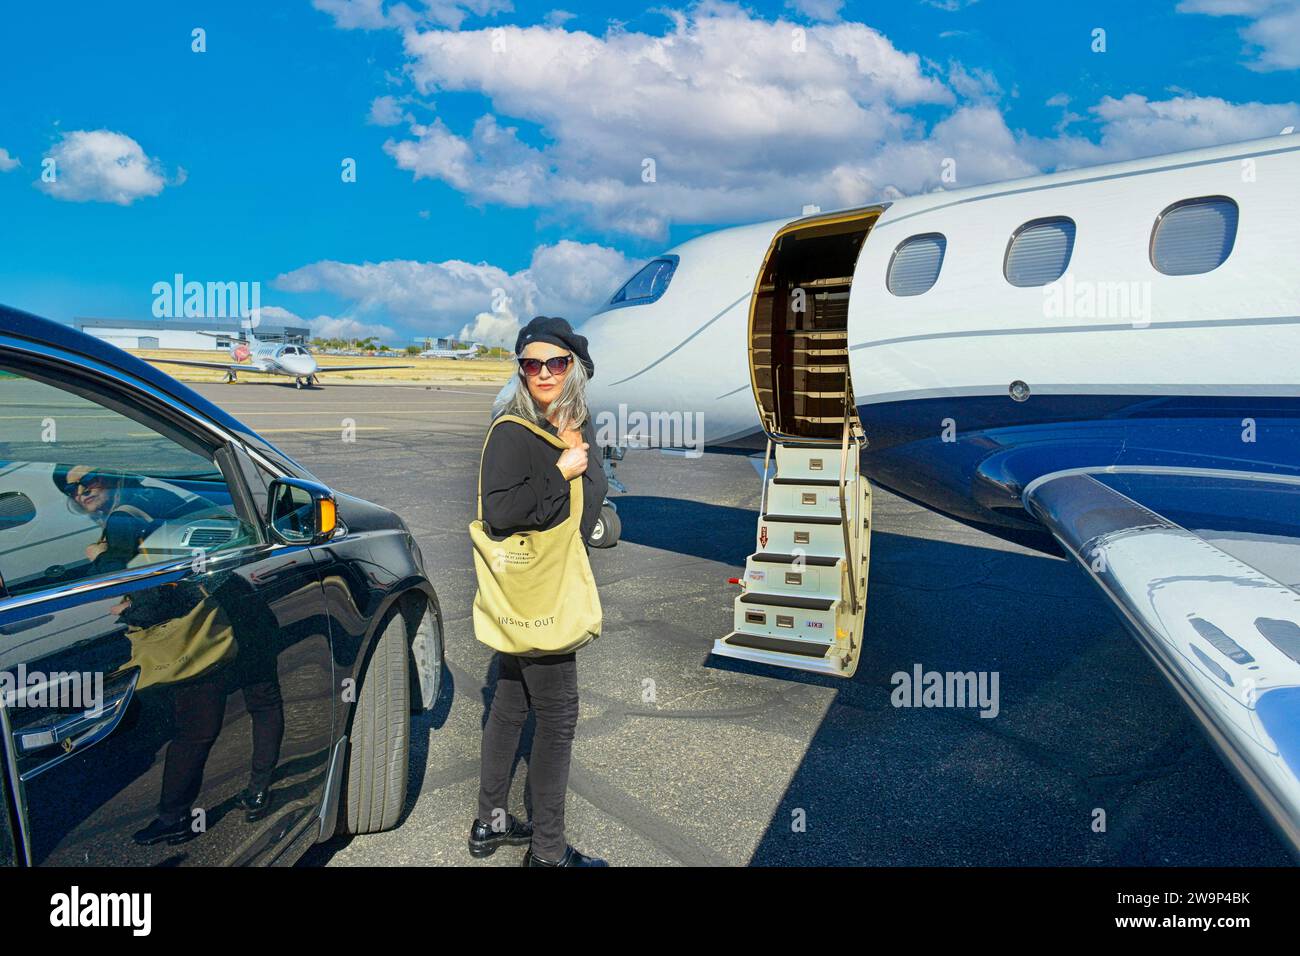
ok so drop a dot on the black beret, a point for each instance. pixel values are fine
(557, 331)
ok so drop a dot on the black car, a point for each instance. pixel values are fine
(206, 656)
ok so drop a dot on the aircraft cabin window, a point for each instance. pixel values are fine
(648, 284)
(1039, 252)
(1194, 236)
(916, 263)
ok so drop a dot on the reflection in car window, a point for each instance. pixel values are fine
(86, 491)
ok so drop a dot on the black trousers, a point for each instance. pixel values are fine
(550, 686)
(199, 707)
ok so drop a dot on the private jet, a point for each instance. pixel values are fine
(274, 359)
(471, 351)
(1100, 362)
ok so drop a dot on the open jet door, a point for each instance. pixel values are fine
(805, 586)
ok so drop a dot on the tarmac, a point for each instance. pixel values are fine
(682, 758)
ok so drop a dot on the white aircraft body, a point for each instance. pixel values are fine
(1101, 361)
(275, 359)
(471, 351)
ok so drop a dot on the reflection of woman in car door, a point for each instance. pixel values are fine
(204, 639)
(199, 706)
(126, 511)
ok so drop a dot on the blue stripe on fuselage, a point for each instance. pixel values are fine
(998, 445)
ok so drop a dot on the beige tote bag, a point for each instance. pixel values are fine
(182, 647)
(536, 593)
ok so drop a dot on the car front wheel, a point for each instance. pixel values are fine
(374, 790)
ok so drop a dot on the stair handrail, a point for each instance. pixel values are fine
(849, 557)
(762, 501)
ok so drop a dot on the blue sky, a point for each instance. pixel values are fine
(501, 146)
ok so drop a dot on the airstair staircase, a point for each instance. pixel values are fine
(803, 601)
(804, 593)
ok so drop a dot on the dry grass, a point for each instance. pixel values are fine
(422, 370)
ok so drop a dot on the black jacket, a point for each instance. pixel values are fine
(124, 527)
(523, 489)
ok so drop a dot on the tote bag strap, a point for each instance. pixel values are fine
(575, 490)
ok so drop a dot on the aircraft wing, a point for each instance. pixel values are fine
(223, 366)
(356, 368)
(1204, 568)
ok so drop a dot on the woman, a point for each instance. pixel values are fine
(126, 511)
(525, 487)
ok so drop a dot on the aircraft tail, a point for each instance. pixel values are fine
(242, 349)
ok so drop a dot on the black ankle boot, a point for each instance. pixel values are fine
(483, 840)
(159, 830)
(256, 803)
(571, 858)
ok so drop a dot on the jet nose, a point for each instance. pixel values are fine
(606, 359)
(301, 365)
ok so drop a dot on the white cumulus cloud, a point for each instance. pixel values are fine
(328, 326)
(1132, 126)
(567, 278)
(385, 111)
(1272, 35)
(723, 116)
(727, 117)
(102, 166)
(8, 162)
(331, 327)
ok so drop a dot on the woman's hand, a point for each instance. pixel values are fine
(95, 550)
(573, 461)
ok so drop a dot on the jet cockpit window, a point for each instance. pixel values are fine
(648, 284)
(1039, 252)
(916, 263)
(1194, 236)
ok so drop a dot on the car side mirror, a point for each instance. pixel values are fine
(300, 512)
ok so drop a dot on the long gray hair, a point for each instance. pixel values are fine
(570, 405)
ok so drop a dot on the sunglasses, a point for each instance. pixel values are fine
(84, 486)
(557, 366)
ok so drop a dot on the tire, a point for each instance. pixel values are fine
(608, 527)
(374, 789)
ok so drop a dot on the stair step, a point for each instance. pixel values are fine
(787, 600)
(806, 502)
(799, 519)
(812, 560)
(820, 334)
(798, 460)
(816, 482)
(780, 645)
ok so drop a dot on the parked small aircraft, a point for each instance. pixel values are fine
(275, 359)
(470, 352)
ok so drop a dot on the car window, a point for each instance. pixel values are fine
(88, 491)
